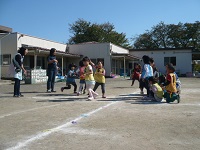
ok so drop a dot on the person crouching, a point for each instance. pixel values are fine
(170, 92)
(71, 76)
(155, 90)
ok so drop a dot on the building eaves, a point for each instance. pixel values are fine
(163, 49)
(58, 51)
(125, 55)
(4, 29)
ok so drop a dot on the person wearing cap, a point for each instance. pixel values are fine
(51, 70)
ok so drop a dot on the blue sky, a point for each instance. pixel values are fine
(50, 19)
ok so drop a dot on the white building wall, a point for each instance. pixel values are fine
(94, 51)
(11, 43)
(8, 46)
(119, 50)
(183, 59)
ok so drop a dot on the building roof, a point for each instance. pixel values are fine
(163, 49)
(45, 50)
(127, 56)
(4, 29)
(91, 42)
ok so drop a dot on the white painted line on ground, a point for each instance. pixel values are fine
(42, 135)
(19, 112)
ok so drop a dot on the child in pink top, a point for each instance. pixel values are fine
(81, 71)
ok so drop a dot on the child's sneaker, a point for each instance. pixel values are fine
(90, 98)
(95, 95)
(141, 92)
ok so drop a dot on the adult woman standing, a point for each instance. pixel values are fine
(52, 70)
(18, 64)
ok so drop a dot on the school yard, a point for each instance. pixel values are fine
(63, 121)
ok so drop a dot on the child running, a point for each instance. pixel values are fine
(136, 73)
(89, 78)
(71, 78)
(155, 90)
(99, 77)
(80, 71)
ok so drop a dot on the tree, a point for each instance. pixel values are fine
(144, 41)
(84, 31)
(170, 36)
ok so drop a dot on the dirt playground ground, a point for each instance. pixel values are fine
(122, 121)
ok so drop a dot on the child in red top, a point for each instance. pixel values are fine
(81, 71)
(136, 73)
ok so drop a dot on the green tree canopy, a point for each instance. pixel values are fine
(83, 31)
(169, 36)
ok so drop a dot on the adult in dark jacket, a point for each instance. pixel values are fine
(52, 70)
(19, 68)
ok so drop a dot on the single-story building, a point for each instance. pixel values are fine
(116, 59)
(181, 58)
(37, 55)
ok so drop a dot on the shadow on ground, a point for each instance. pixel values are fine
(132, 99)
(63, 100)
(25, 92)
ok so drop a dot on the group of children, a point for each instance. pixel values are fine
(158, 86)
(88, 80)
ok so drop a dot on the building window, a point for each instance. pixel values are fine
(6, 59)
(94, 61)
(170, 60)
